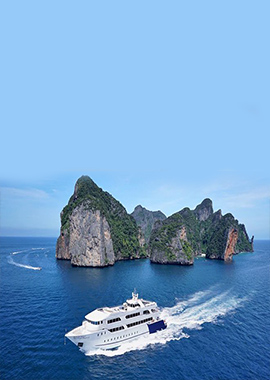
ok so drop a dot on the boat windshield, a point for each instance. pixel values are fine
(94, 322)
(133, 304)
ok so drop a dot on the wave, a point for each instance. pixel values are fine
(12, 262)
(191, 314)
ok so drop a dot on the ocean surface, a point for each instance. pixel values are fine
(217, 315)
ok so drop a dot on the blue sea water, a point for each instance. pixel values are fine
(217, 315)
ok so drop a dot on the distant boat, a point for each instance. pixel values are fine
(110, 327)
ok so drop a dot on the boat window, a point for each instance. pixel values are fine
(133, 304)
(132, 315)
(114, 320)
(94, 322)
(146, 312)
(139, 322)
(116, 329)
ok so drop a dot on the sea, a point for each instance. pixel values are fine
(217, 315)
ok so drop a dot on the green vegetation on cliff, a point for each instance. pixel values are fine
(124, 230)
(218, 235)
(204, 232)
(218, 232)
(161, 238)
(243, 244)
(187, 249)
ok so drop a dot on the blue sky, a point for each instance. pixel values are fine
(161, 103)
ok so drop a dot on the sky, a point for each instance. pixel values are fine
(161, 103)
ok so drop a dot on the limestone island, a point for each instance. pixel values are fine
(97, 231)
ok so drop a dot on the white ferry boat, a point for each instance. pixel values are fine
(110, 327)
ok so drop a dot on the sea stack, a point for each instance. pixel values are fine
(96, 230)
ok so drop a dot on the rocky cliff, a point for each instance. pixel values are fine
(188, 233)
(96, 230)
(146, 219)
(226, 238)
(173, 250)
(204, 210)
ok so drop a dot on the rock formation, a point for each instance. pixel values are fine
(176, 251)
(227, 237)
(146, 219)
(204, 210)
(96, 230)
(188, 233)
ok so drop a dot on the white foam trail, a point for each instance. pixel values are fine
(11, 261)
(27, 250)
(16, 252)
(202, 307)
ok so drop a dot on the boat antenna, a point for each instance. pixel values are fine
(135, 294)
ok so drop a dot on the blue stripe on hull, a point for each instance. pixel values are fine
(156, 326)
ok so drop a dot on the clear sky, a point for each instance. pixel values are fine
(162, 103)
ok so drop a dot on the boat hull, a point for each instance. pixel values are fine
(110, 341)
(107, 328)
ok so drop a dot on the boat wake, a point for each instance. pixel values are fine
(191, 314)
(26, 252)
(11, 261)
(17, 252)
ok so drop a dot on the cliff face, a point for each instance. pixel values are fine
(146, 219)
(62, 246)
(96, 229)
(204, 210)
(230, 244)
(226, 238)
(198, 231)
(90, 241)
(176, 251)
